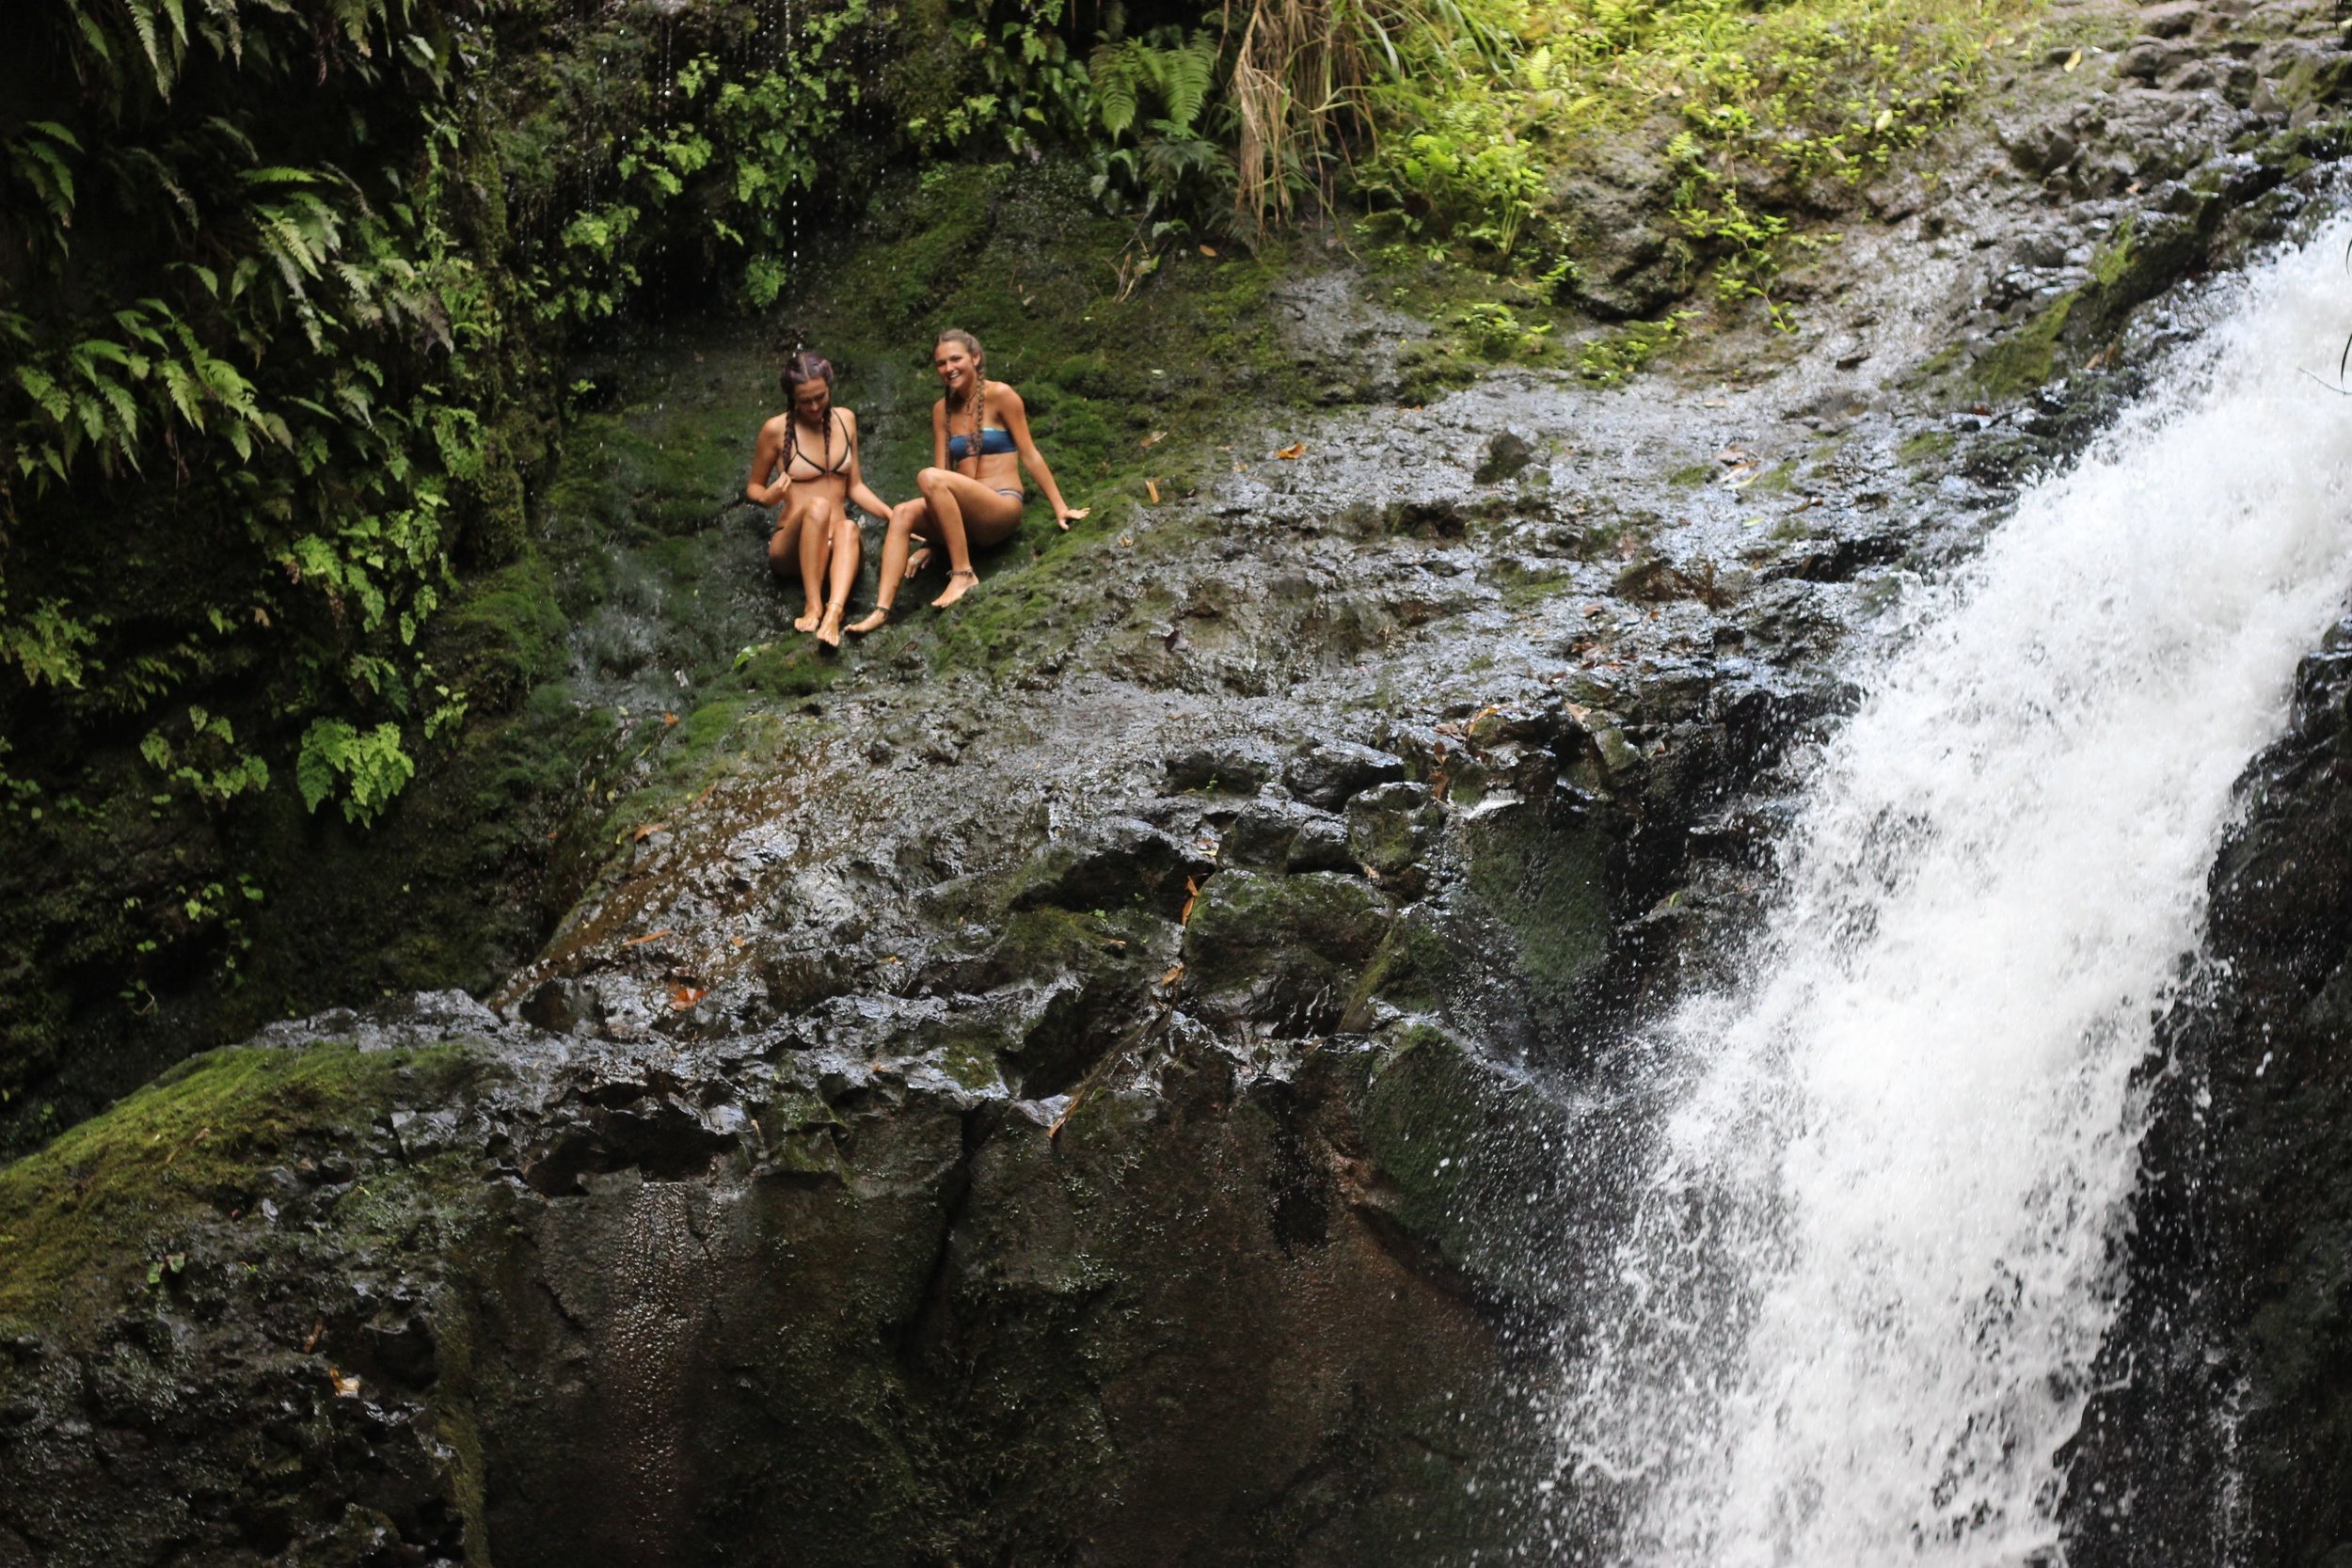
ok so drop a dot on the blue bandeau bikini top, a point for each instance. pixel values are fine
(993, 443)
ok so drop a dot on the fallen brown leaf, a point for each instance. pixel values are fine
(318, 1331)
(1153, 439)
(649, 936)
(1151, 488)
(1174, 975)
(1192, 897)
(683, 997)
(346, 1388)
(669, 719)
(1296, 449)
(646, 829)
(1209, 251)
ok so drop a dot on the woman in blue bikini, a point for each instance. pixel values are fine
(972, 491)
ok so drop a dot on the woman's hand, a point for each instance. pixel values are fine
(1064, 517)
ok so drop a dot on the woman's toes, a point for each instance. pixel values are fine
(958, 584)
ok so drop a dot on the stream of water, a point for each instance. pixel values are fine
(1853, 1316)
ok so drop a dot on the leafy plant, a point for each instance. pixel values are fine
(1616, 356)
(1146, 100)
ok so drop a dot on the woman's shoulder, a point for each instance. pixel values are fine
(1005, 391)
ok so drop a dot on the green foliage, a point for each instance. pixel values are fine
(207, 763)
(1459, 170)
(365, 767)
(1616, 356)
(1147, 105)
(1498, 332)
(1017, 84)
(1464, 143)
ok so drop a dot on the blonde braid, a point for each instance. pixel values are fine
(976, 400)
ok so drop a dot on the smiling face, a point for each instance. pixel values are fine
(955, 367)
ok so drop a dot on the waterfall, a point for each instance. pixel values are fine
(1851, 1314)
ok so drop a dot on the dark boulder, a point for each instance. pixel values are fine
(1327, 773)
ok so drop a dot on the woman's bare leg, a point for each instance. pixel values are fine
(815, 543)
(784, 546)
(897, 564)
(968, 514)
(846, 548)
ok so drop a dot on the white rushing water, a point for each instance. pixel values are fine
(1854, 1315)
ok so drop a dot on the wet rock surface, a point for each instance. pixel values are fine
(1109, 1081)
(2228, 1362)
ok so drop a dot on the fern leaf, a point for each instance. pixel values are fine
(185, 392)
(1187, 75)
(143, 24)
(1113, 71)
(95, 35)
(46, 392)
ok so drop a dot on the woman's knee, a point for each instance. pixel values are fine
(932, 481)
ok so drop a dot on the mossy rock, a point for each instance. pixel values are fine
(1282, 949)
(1472, 1159)
(106, 1201)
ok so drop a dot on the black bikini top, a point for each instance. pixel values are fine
(822, 463)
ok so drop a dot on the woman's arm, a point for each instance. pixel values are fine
(1016, 414)
(939, 434)
(858, 492)
(765, 455)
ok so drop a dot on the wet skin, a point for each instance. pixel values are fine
(814, 525)
(963, 504)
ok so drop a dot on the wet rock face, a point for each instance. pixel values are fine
(2228, 1362)
(649, 1308)
(1176, 1326)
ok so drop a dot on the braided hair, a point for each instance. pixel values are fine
(801, 369)
(978, 398)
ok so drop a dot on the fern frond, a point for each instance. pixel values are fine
(1114, 70)
(1185, 75)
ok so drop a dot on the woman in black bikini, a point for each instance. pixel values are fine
(972, 491)
(807, 459)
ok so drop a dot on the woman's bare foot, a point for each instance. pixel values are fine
(807, 621)
(878, 619)
(958, 584)
(916, 562)
(828, 629)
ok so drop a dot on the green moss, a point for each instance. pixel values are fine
(2028, 358)
(970, 1061)
(1464, 1147)
(1928, 446)
(90, 1212)
(1549, 885)
(1778, 479)
(1692, 475)
(2113, 260)
(1409, 970)
(1247, 925)
(1042, 942)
